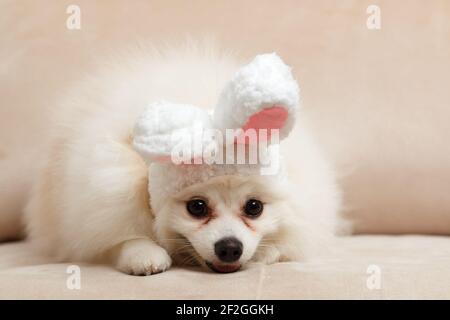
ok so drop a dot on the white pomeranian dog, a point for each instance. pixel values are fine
(109, 190)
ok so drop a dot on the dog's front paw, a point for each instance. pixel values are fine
(268, 255)
(142, 257)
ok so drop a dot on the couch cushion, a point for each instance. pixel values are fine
(409, 267)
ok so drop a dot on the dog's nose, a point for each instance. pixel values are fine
(228, 249)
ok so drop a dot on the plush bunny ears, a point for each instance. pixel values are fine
(262, 95)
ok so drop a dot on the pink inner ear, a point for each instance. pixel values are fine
(269, 118)
(167, 159)
(163, 159)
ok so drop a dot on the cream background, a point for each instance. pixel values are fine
(379, 100)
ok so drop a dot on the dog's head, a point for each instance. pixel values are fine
(212, 205)
(221, 223)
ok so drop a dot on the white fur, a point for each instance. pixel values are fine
(90, 201)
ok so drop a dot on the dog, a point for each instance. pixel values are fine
(103, 196)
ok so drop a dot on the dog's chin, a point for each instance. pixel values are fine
(223, 267)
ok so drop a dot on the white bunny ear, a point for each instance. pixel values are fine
(164, 127)
(262, 95)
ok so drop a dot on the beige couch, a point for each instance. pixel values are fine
(378, 101)
(410, 267)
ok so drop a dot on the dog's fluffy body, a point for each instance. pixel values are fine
(90, 201)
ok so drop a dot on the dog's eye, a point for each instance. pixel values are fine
(197, 208)
(253, 208)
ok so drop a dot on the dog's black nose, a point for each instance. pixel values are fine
(228, 249)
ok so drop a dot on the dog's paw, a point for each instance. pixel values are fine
(142, 257)
(268, 255)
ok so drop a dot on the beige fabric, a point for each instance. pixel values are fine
(411, 267)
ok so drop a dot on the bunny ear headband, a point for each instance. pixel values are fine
(261, 98)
